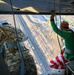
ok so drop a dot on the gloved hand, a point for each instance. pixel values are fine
(52, 14)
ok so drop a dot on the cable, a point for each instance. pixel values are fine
(56, 23)
(60, 16)
(60, 20)
(22, 72)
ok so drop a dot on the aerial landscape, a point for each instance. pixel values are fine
(41, 43)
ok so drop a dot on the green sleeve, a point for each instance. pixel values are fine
(61, 33)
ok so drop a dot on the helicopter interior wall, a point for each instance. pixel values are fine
(36, 7)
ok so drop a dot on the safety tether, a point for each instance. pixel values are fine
(56, 21)
(22, 70)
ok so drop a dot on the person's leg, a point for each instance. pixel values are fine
(58, 62)
(3, 67)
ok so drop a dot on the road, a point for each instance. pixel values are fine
(37, 51)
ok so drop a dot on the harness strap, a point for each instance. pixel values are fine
(11, 44)
(69, 51)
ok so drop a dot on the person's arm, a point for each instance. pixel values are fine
(54, 26)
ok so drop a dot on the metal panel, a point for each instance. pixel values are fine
(36, 6)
